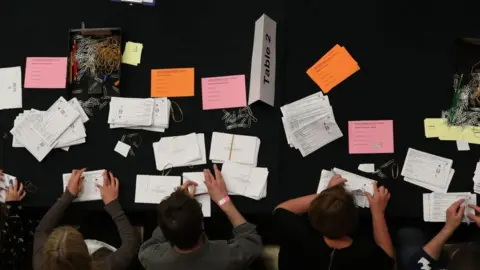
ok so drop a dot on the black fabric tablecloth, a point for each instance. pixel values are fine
(405, 51)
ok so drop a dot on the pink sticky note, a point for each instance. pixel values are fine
(224, 92)
(370, 137)
(46, 72)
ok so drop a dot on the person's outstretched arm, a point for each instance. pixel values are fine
(53, 216)
(123, 256)
(455, 215)
(247, 244)
(300, 205)
(378, 204)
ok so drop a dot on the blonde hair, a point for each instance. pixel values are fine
(65, 249)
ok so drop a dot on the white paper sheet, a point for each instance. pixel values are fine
(90, 190)
(179, 151)
(131, 111)
(122, 148)
(199, 178)
(55, 121)
(435, 205)
(236, 148)
(10, 88)
(245, 180)
(153, 189)
(76, 104)
(206, 203)
(25, 134)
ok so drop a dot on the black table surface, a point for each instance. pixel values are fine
(405, 51)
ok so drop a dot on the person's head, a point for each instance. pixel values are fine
(466, 257)
(65, 249)
(334, 213)
(180, 218)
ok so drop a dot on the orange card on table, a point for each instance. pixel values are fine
(333, 68)
(173, 82)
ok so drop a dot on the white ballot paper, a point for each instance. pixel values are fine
(206, 203)
(355, 184)
(199, 178)
(237, 148)
(90, 190)
(180, 151)
(8, 181)
(309, 123)
(10, 88)
(428, 171)
(76, 104)
(131, 111)
(262, 74)
(245, 180)
(435, 205)
(476, 179)
(153, 189)
(160, 117)
(55, 121)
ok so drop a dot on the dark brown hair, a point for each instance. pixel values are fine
(180, 218)
(466, 257)
(334, 213)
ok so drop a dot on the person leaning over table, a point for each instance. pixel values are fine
(16, 232)
(318, 231)
(180, 242)
(415, 253)
(64, 247)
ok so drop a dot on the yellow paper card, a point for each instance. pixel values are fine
(132, 54)
(472, 135)
(434, 127)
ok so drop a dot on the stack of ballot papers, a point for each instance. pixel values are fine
(236, 148)
(90, 191)
(333, 68)
(309, 123)
(355, 184)
(476, 179)
(245, 180)
(180, 151)
(61, 126)
(152, 114)
(428, 171)
(152, 189)
(201, 192)
(435, 205)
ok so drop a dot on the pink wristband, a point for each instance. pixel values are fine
(223, 201)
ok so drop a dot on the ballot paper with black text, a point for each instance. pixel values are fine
(309, 123)
(180, 151)
(435, 205)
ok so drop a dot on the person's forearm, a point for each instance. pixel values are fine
(435, 246)
(381, 234)
(233, 215)
(53, 216)
(298, 206)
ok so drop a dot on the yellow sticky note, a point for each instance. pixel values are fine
(434, 127)
(132, 54)
(472, 135)
(451, 133)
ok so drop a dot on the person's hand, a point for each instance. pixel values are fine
(379, 200)
(190, 187)
(337, 179)
(215, 185)
(14, 192)
(475, 218)
(109, 191)
(455, 215)
(75, 184)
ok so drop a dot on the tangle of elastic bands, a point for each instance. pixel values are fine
(99, 57)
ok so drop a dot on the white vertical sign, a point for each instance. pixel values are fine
(262, 76)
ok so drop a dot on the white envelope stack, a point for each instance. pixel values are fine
(435, 205)
(245, 180)
(309, 123)
(61, 126)
(355, 184)
(152, 114)
(476, 179)
(180, 151)
(236, 148)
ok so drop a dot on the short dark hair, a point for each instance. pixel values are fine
(334, 212)
(466, 257)
(180, 218)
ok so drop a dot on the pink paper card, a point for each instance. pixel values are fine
(370, 137)
(224, 92)
(46, 72)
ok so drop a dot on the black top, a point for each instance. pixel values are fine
(302, 247)
(421, 260)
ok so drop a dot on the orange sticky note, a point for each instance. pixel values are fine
(333, 68)
(173, 82)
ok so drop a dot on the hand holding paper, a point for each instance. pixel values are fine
(75, 183)
(215, 185)
(109, 190)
